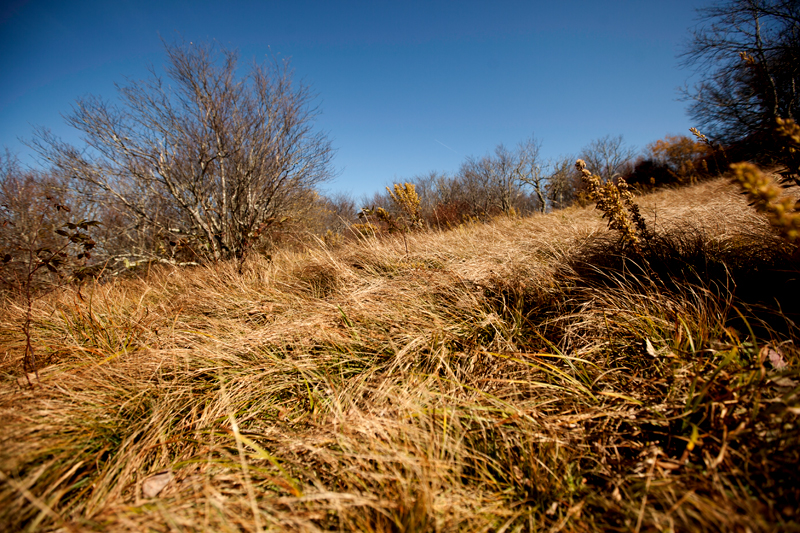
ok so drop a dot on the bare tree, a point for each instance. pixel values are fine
(563, 182)
(202, 154)
(489, 181)
(747, 54)
(607, 156)
(338, 212)
(530, 170)
(506, 165)
(500, 179)
(504, 181)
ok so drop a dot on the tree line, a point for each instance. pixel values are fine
(519, 181)
(202, 163)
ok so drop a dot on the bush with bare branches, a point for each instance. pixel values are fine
(200, 155)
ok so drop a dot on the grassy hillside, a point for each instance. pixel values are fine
(519, 376)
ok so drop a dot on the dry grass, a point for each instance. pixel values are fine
(519, 376)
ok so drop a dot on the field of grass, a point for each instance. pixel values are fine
(523, 375)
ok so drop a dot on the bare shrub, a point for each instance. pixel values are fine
(200, 155)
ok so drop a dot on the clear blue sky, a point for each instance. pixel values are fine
(405, 87)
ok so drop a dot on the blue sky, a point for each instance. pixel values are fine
(405, 87)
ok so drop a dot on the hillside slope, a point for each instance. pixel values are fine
(521, 375)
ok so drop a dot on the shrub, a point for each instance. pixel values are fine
(407, 201)
(680, 155)
(673, 160)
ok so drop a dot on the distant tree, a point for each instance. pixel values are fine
(510, 181)
(338, 212)
(443, 199)
(673, 160)
(608, 156)
(530, 170)
(648, 173)
(203, 155)
(680, 152)
(747, 56)
(491, 181)
(563, 183)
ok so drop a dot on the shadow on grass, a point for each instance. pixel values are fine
(757, 274)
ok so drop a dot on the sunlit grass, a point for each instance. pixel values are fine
(518, 376)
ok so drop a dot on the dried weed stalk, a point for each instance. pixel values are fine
(406, 201)
(406, 198)
(34, 268)
(789, 132)
(765, 194)
(783, 212)
(616, 202)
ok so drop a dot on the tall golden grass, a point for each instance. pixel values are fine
(522, 375)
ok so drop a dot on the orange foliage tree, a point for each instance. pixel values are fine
(681, 155)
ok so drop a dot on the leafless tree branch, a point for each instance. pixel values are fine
(200, 153)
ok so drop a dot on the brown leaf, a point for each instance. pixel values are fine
(784, 383)
(774, 356)
(153, 485)
(649, 348)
